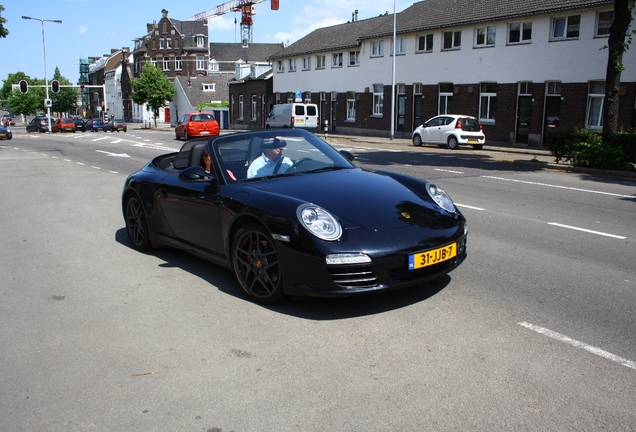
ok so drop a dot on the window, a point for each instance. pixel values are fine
(176, 43)
(425, 43)
(400, 46)
(214, 65)
(351, 106)
(320, 62)
(292, 65)
(306, 63)
(240, 107)
(604, 23)
(378, 99)
(452, 40)
(166, 63)
(153, 60)
(177, 63)
(209, 87)
(281, 66)
(488, 102)
(162, 43)
(595, 99)
(169, 43)
(200, 62)
(554, 88)
(200, 41)
(254, 108)
(445, 105)
(566, 27)
(485, 36)
(525, 88)
(519, 32)
(377, 49)
(354, 58)
(337, 60)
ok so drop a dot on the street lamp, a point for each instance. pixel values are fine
(46, 79)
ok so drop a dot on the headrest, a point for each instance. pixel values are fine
(277, 142)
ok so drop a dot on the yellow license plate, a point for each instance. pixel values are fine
(299, 121)
(428, 258)
(3, 134)
(472, 140)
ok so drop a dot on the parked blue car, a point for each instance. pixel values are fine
(97, 125)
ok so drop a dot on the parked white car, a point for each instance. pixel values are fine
(450, 131)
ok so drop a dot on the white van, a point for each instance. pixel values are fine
(293, 115)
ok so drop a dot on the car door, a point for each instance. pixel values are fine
(431, 131)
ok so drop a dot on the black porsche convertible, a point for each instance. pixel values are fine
(292, 216)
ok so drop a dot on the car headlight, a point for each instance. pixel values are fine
(319, 222)
(440, 197)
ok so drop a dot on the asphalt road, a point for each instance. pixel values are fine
(535, 331)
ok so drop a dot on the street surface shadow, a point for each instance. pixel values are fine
(313, 308)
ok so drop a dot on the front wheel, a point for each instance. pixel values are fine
(256, 264)
(417, 140)
(452, 142)
(136, 224)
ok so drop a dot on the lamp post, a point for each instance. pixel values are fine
(46, 79)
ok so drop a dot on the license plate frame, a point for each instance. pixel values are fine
(433, 256)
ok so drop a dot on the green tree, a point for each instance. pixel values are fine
(12, 78)
(3, 31)
(66, 99)
(29, 103)
(618, 43)
(152, 87)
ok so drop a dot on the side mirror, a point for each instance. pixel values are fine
(196, 173)
(350, 157)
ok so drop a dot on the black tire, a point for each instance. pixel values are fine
(256, 264)
(176, 136)
(478, 146)
(136, 224)
(452, 142)
(417, 140)
(185, 136)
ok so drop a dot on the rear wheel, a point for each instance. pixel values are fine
(136, 224)
(452, 142)
(186, 136)
(256, 264)
(417, 140)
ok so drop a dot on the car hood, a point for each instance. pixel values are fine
(370, 199)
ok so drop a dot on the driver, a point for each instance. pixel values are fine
(271, 161)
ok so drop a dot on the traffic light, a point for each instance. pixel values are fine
(55, 86)
(24, 86)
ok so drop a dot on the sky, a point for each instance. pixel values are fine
(91, 28)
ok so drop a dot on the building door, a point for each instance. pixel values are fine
(417, 111)
(524, 109)
(334, 106)
(401, 111)
(552, 113)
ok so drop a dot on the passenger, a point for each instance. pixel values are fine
(271, 161)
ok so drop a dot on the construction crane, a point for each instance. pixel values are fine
(245, 7)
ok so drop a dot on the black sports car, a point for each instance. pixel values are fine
(5, 133)
(307, 224)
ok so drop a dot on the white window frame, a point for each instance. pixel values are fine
(604, 21)
(400, 46)
(292, 65)
(595, 105)
(281, 66)
(378, 100)
(153, 60)
(306, 63)
(320, 61)
(444, 96)
(456, 40)
(200, 62)
(487, 103)
(200, 41)
(177, 63)
(354, 58)
(425, 43)
(377, 48)
(485, 36)
(168, 43)
(560, 32)
(209, 87)
(254, 105)
(522, 32)
(241, 107)
(162, 43)
(336, 60)
(166, 63)
(351, 106)
(214, 65)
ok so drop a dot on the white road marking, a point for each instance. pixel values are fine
(449, 171)
(107, 153)
(560, 187)
(578, 344)
(95, 167)
(79, 163)
(586, 230)
(470, 207)
(99, 139)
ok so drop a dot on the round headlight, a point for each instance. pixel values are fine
(319, 222)
(441, 198)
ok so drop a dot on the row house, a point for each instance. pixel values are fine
(521, 67)
(107, 88)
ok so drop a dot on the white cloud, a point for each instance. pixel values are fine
(298, 33)
(220, 23)
(82, 30)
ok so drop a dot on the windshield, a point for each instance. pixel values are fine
(255, 156)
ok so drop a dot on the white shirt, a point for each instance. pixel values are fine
(263, 167)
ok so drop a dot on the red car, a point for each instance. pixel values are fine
(63, 125)
(195, 124)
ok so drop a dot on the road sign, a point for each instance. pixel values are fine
(48, 103)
